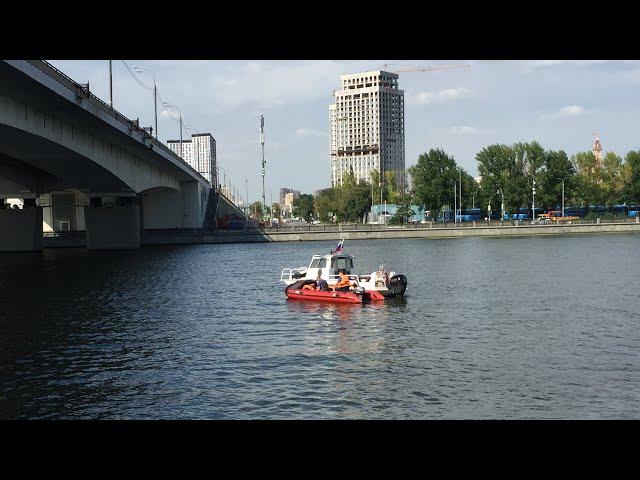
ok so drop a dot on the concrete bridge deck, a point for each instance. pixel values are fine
(65, 151)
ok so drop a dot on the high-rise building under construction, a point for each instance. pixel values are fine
(367, 127)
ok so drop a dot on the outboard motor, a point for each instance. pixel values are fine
(397, 285)
(360, 292)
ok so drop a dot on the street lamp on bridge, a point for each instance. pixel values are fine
(168, 107)
(155, 93)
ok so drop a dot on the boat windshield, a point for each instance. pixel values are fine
(318, 263)
(343, 263)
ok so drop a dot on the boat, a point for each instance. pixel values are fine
(377, 286)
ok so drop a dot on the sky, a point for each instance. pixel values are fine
(558, 103)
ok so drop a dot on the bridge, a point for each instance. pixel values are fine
(79, 165)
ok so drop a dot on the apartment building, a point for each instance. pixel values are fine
(367, 127)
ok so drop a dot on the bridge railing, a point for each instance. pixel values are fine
(83, 91)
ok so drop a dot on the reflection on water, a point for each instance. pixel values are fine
(350, 318)
(489, 328)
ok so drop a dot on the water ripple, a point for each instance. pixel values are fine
(489, 328)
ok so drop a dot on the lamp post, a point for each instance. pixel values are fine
(489, 206)
(110, 85)
(455, 203)
(264, 200)
(562, 195)
(174, 107)
(460, 193)
(501, 205)
(533, 204)
(155, 94)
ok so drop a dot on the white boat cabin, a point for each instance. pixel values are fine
(329, 264)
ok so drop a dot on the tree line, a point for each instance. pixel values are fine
(508, 169)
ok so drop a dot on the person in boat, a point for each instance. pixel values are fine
(343, 283)
(321, 284)
(310, 286)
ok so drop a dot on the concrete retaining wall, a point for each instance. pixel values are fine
(390, 233)
(112, 228)
(21, 230)
(457, 232)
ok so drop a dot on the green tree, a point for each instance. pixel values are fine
(353, 199)
(589, 178)
(511, 169)
(557, 167)
(632, 177)
(277, 211)
(433, 177)
(613, 179)
(390, 188)
(303, 207)
(256, 208)
(326, 204)
(355, 202)
(404, 210)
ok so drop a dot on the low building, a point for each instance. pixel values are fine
(288, 201)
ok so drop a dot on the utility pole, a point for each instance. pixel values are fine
(155, 103)
(264, 200)
(181, 136)
(461, 196)
(110, 85)
(455, 203)
(533, 204)
(563, 197)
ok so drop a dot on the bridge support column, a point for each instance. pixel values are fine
(21, 229)
(114, 227)
(194, 198)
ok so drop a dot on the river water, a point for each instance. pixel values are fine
(513, 328)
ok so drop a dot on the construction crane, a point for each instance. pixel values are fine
(425, 68)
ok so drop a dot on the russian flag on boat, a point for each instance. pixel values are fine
(339, 247)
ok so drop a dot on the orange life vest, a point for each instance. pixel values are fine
(343, 282)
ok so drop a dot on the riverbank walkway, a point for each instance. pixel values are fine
(332, 232)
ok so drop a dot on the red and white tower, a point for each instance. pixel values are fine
(597, 149)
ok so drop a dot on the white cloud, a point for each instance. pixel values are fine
(265, 85)
(443, 96)
(310, 132)
(568, 111)
(464, 130)
(533, 65)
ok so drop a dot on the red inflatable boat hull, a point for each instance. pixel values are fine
(335, 297)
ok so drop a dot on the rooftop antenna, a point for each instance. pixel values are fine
(264, 201)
